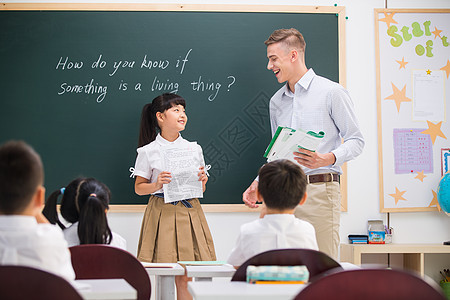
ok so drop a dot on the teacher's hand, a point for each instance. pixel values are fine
(249, 196)
(314, 160)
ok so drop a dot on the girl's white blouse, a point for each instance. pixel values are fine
(148, 162)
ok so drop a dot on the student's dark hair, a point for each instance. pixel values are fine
(92, 200)
(149, 128)
(68, 207)
(84, 201)
(282, 184)
(21, 172)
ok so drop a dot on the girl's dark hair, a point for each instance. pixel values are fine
(68, 208)
(92, 200)
(84, 201)
(149, 125)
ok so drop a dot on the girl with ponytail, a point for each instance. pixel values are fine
(175, 231)
(84, 204)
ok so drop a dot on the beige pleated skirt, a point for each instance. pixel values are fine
(172, 233)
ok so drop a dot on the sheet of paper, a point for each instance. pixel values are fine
(445, 160)
(428, 95)
(413, 151)
(183, 164)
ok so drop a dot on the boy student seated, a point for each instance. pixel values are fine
(26, 237)
(282, 186)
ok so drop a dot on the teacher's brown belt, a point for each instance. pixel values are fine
(329, 177)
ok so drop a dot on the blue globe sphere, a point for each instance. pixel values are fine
(443, 192)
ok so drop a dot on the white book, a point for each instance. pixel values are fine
(286, 141)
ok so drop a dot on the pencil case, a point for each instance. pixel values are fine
(261, 274)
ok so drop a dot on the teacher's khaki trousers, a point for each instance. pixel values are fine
(323, 210)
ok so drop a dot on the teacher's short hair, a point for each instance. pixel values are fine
(292, 38)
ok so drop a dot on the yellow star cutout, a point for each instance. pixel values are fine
(434, 130)
(398, 96)
(435, 201)
(436, 32)
(402, 63)
(388, 19)
(420, 176)
(446, 68)
(428, 72)
(398, 195)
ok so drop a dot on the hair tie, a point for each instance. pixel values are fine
(93, 195)
(62, 190)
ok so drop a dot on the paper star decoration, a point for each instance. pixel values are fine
(446, 68)
(398, 195)
(435, 201)
(420, 176)
(388, 19)
(436, 32)
(398, 96)
(428, 72)
(402, 63)
(434, 130)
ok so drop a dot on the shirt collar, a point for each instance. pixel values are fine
(279, 216)
(162, 141)
(304, 82)
(17, 221)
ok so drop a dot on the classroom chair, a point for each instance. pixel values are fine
(95, 261)
(371, 284)
(318, 263)
(20, 282)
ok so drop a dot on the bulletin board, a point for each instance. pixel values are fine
(413, 68)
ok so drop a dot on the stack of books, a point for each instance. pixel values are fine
(277, 274)
(358, 239)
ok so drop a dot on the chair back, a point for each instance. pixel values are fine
(371, 284)
(20, 282)
(318, 263)
(98, 261)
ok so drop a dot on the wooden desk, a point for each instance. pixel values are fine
(96, 289)
(165, 278)
(239, 290)
(413, 254)
(206, 273)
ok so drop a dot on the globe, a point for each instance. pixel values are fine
(443, 192)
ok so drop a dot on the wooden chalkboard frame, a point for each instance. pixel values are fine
(338, 10)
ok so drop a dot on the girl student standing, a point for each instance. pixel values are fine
(175, 231)
(84, 204)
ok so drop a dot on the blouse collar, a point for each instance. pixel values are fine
(162, 141)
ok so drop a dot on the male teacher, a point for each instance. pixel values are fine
(312, 103)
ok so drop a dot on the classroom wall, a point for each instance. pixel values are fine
(363, 197)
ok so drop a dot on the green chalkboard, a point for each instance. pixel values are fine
(73, 83)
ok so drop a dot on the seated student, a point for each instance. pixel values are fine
(282, 186)
(84, 203)
(26, 237)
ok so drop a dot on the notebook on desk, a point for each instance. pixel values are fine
(203, 263)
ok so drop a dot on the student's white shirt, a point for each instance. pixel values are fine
(25, 242)
(71, 236)
(274, 231)
(148, 162)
